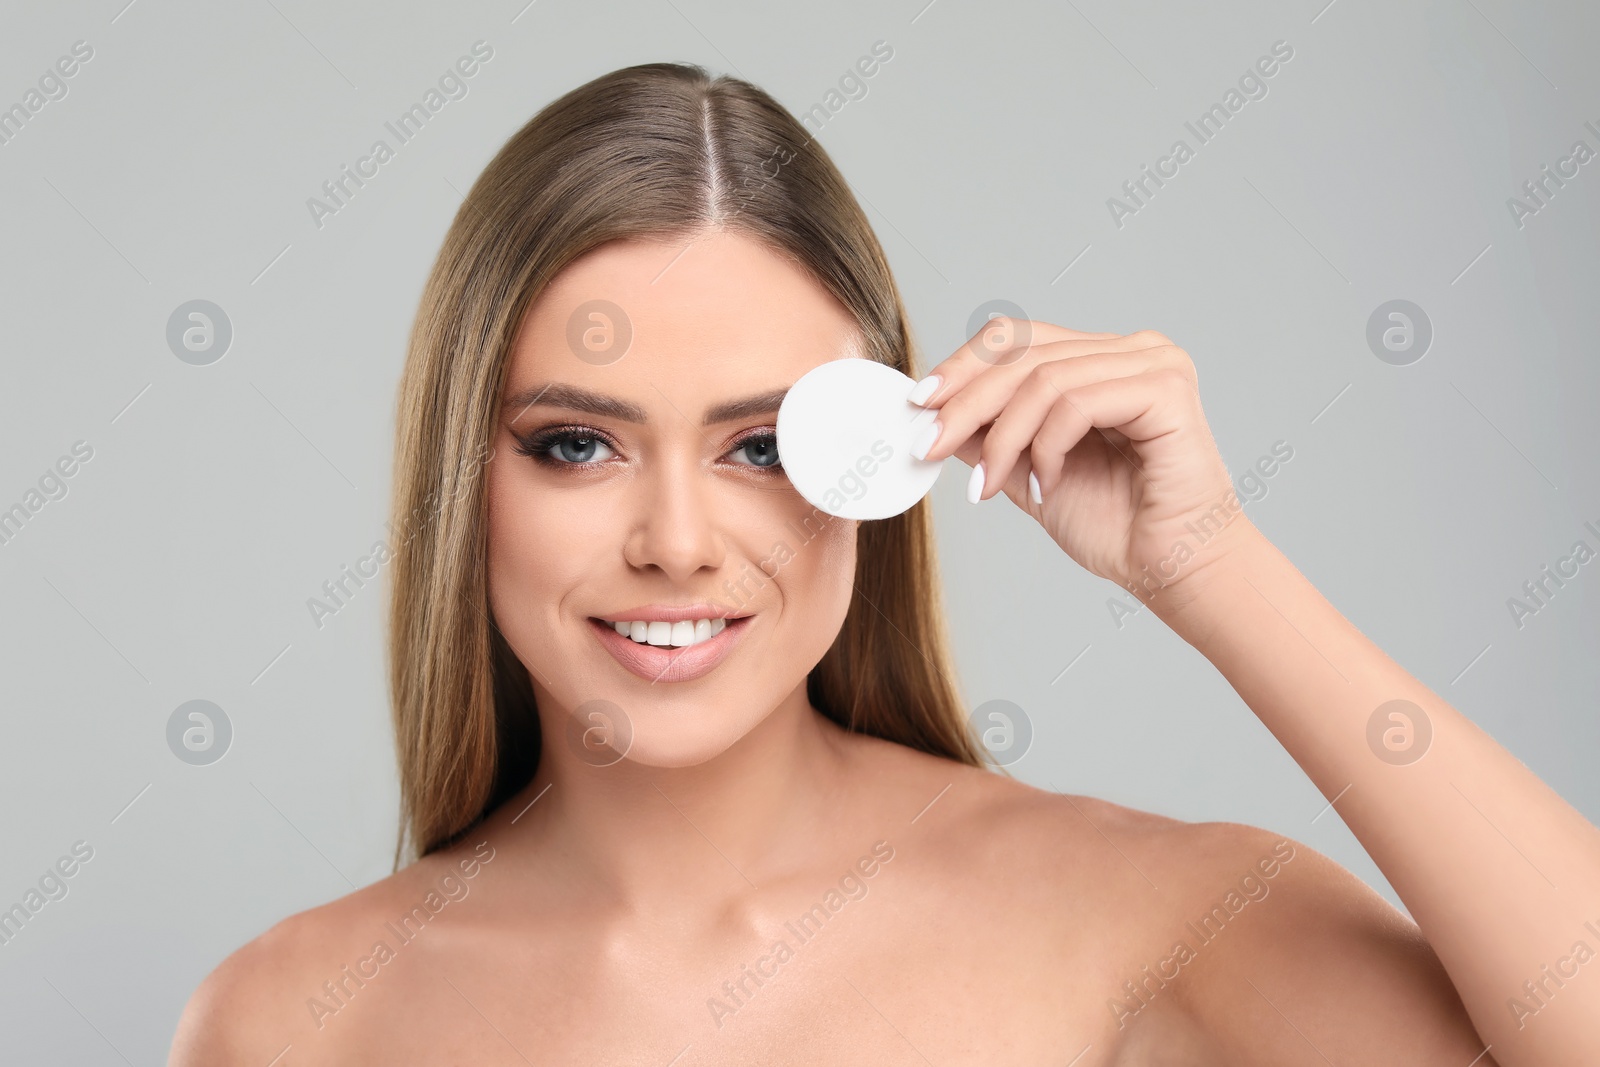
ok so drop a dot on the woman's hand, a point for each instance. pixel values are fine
(1134, 490)
(1130, 482)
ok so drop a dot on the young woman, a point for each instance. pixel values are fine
(685, 776)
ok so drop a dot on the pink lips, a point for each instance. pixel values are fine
(657, 663)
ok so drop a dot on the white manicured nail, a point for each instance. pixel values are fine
(930, 434)
(924, 389)
(975, 484)
(1033, 488)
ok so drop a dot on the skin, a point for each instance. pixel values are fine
(975, 918)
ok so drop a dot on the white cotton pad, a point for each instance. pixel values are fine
(845, 432)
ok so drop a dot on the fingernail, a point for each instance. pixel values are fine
(925, 442)
(1033, 488)
(975, 484)
(924, 389)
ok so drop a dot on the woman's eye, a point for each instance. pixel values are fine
(566, 448)
(762, 449)
(580, 448)
(575, 448)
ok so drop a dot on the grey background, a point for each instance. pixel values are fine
(219, 498)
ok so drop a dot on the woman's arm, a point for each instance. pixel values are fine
(1501, 875)
(1101, 438)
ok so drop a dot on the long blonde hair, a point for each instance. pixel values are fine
(659, 149)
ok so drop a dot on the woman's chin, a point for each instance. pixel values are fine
(602, 733)
(669, 745)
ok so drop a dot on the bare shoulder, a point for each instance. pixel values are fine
(1180, 864)
(1245, 945)
(1273, 950)
(1233, 943)
(1178, 879)
(264, 997)
(232, 1017)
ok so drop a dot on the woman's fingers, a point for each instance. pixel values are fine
(1139, 408)
(1035, 436)
(1034, 382)
(1001, 342)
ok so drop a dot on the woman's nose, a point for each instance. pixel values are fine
(675, 524)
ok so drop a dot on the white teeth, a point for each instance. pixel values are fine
(673, 634)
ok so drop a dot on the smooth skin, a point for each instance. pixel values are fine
(628, 913)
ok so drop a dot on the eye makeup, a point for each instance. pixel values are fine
(554, 447)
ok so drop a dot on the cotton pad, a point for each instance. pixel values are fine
(845, 432)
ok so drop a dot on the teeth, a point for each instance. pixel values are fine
(671, 634)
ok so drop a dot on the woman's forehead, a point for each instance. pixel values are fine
(720, 307)
(692, 288)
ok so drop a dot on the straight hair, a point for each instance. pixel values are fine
(657, 150)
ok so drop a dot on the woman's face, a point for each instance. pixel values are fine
(629, 482)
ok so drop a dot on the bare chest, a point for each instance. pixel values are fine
(888, 983)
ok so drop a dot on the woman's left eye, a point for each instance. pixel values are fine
(763, 447)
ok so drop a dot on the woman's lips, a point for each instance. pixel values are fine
(660, 663)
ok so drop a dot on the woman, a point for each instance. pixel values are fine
(682, 764)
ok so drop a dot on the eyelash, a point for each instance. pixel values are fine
(538, 446)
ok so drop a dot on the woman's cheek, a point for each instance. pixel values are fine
(818, 575)
(533, 545)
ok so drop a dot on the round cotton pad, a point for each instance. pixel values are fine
(845, 432)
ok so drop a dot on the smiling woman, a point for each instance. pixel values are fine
(593, 519)
(671, 762)
(674, 481)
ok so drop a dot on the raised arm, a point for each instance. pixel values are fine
(1101, 438)
(1501, 874)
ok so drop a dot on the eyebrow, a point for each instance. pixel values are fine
(556, 394)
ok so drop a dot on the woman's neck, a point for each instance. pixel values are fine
(645, 838)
